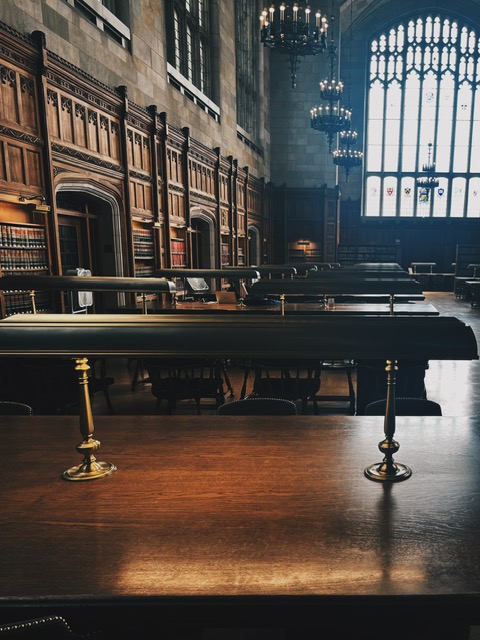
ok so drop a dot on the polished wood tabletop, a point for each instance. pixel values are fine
(354, 308)
(273, 513)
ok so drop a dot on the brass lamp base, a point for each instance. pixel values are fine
(395, 473)
(89, 471)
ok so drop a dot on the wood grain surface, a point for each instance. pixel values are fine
(272, 509)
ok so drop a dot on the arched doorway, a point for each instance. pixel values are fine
(202, 239)
(254, 252)
(89, 235)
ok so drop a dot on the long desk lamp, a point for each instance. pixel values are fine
(302, 337)
(337, 285)
(272, 270)
(90, 283)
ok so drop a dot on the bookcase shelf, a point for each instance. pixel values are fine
(23, 251)
(351, 254)
(144, 251)
(178, 252)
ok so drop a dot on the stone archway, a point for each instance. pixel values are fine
(109, 247)
(203, 238)
(254, 246)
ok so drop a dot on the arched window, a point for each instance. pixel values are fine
(423, 96)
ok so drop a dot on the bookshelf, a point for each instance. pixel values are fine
(144, 252)
(225, 251)
(349, 254)
(178, 252)
(23, 251)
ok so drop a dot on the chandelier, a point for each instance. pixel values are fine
(345, 156)
(430, 182)
(291, 29)
(331, 118)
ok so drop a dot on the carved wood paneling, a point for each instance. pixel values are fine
(18, 104)
(75, 123)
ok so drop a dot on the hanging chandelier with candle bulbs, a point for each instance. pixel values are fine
(430, 181)
(345, 156)
(330, 117)
(295, 30)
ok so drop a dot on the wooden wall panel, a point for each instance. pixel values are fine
(18, 104)
(3, 163)
(103, 136)
(53, 114)
(114, 141)
(141, 197)
(16, 164)
(92, 130)
(9, 108)
(28, 104)
(66, 124)
(34, 168)
(174, 159)
(80, 126)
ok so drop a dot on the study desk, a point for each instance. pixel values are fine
(263, 521)
(304, 308)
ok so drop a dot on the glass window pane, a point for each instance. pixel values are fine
(407, 197)
(445, 122)
(389, 205)
(428, 110)
(458, 198)
(474, 198)
(372, 200)
(475, 152)
(375, 110)
(374, 157)
(440, 199)
(410, 122)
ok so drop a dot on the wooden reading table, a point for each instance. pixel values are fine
(250, 521)
(307, 308)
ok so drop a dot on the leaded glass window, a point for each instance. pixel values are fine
(424, 77)
(188, 49)
(246, 49)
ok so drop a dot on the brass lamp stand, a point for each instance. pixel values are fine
(32, 300)
(90, 469)
(388, 470)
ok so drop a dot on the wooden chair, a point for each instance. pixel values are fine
(288, 379)
(175, 379)
(50, 385)
(258, 407)
(11, 408)
(51, 627)
(197, 288)
(405, 407)
(99, 381)
(372, 381)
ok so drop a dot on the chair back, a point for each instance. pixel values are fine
(197, 285)
(288, 379)
(10, 408)
(51, 627)
(372, 381)
(258, 407)
(405, 407)
(175, 379)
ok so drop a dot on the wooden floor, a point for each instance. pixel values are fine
(455, 385)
